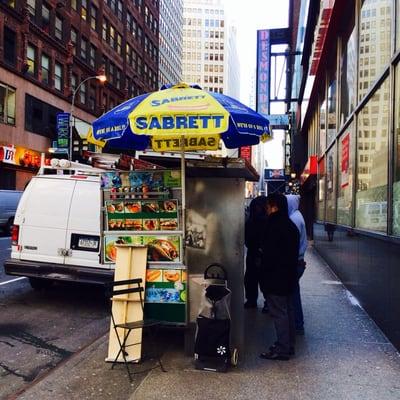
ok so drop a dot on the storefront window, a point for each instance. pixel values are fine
(374, 42)
(372, 161)
(331, 134)
(321, 191)
(7, 104)
(330, 186)
(396, 184)
(345, 177)
(348, 77)
(322, 127)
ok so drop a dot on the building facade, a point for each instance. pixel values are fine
(205, 47)
(47, 49)
(170, 42)
(348, 121)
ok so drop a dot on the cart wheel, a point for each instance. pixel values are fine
(234, 357)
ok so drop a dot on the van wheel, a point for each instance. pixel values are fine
(40, 284)
(8, 226)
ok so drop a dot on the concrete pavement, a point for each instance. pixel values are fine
(343, 355)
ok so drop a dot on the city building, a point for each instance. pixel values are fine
(48, 50)
(170, 42)
(346, 151)
(206, 46)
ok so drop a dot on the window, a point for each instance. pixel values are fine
(396, 184)
(31, 4)
(74, 40)
(58, 76)
(92, 58)
(82, 94)
(119, 44)
(84, 9)
(45, 17)
(371, 196)
(40, 117)
(31, 59)
(380, 55)
(58, 28)
(10, 46)
(93, 17)
(74, 81)
(330, 185)
(332, 89)
(321, 191)
(322, 127)
(104, 31)
(7, 104)
(74, 5)
(45, 71)
(84, 46)
(345, 177)
(112, 37)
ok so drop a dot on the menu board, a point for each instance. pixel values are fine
(166, 286)
(141, 181)
(142, 215)
(160, 247)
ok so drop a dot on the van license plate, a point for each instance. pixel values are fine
(88, 243)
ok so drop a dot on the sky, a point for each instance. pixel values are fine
(249, 16)
(257, 14)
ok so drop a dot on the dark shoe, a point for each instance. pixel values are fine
(250, 304)
(291, 350)
(272, 355)
(265, 309)
(300, 331)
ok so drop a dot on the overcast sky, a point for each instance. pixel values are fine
(248, 16)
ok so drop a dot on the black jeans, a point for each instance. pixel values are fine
(298, 308)
(252, 275)
(282, 313)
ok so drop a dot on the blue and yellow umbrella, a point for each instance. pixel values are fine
(180, 118)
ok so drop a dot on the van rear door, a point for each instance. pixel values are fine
(83, 232)
(44, 220)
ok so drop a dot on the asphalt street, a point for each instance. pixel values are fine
(41, 329)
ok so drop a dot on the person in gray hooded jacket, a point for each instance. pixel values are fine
(297, 218)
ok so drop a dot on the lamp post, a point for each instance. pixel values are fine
(102, 79)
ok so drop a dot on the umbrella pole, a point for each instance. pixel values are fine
(183, 185)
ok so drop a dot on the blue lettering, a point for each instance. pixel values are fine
(217, 119)
(181, 122)
(154, 123)
(193, 122)
(141, 123)
(204, 119)
(155, 103)
(168, 123)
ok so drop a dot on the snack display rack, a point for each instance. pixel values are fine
(144, 207)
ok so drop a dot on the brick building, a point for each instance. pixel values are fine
(47, 48)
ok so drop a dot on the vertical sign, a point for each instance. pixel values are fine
(245, 153)
(263, 70)
(344, 163)
(62, 130)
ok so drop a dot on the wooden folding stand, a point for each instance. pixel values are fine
(130, 264)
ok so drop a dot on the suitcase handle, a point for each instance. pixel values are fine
(219, 272)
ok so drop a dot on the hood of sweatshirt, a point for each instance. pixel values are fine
(293, 202)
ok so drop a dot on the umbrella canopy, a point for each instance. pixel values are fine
(178, 118)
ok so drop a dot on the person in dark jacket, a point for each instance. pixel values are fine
(280, 247)
(252, 237)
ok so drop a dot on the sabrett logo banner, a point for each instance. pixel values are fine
(205, 123)
(185, 142)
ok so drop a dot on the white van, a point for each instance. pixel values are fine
(8, 205)
(56, 235)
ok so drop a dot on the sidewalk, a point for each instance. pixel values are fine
(343, 355)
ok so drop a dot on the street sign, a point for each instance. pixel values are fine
(278, 121)
(63, 130)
